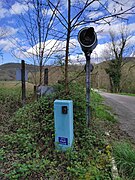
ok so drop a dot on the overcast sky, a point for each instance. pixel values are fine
(11, 30)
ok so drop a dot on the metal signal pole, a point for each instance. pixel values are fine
(88, 115)
(88, 41)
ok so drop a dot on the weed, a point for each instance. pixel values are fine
(30, 150)
(101, 111)
(125, 159)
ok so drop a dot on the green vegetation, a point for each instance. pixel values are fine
(10, 100)
(102, 112)
(128, 94)
(28, 148)
(114, 72)
(27, 139)
(125, 159)
(9, 103)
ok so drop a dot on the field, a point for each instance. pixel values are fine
(55, 73)
(15, 85)
(99, 78)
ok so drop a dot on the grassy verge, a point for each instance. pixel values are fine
(28, 150)
(125, 159)
(122, 148)
(127, 94)
(102, 112)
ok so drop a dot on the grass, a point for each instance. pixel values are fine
(128, 94)
(28, 150)
(14, 85)
(123, 152)
(10, 101)
(125, 159)
(101, 110)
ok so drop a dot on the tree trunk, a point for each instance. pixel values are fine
(40, 41)
(67, 46)
(111, 85)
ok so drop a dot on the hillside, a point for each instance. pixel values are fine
(99, 77)
(8, 71)
(55, 73)
(101, 80)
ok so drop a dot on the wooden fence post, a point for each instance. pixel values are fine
(46, 76)
(35, 92)
(23, 82)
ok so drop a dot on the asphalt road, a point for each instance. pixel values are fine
(124, 107)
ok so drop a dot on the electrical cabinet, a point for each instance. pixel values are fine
(63, 117)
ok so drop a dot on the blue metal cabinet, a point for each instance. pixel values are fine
(63, 116)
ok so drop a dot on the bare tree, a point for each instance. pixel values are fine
(118, 48)
(76, 15)
(36, 23)
(57, 20)
(3, 33)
